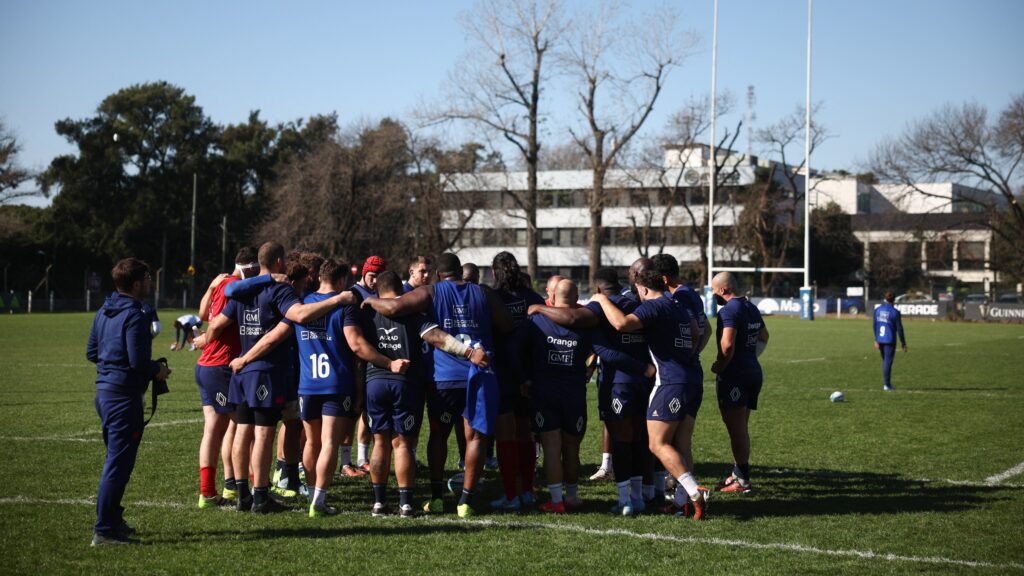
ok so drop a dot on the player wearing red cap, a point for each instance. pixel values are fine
(365, 287)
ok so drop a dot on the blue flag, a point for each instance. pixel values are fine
(482, 396)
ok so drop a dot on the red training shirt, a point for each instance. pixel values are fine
(226, 347)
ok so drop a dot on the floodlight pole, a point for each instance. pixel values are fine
(807, 312)
(709, 302)
(192, 249)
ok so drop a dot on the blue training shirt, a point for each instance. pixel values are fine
(258, 313)
(325, 360)
(461, 310)
(624, 355)
(554, 355)
(694, 305)
(517, 303)
(667, 328)
(888, 323)
(740, 314)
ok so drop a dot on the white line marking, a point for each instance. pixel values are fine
(48, 439)
(799, 548)
(150, 426)
(996, 479)
(954, 344)
(805, 360)
(825, 474)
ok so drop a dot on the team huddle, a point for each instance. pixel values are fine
(291, 340)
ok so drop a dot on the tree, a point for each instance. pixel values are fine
(12, 175)
(687, 130)
(836, 254)
(620, 70)
(130, 195)
(771, 225)
(498, 86)
(373, 188)
(959, 144)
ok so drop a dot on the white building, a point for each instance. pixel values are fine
(943, 223)
(646, 209)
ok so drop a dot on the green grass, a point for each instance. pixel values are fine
(884, 483)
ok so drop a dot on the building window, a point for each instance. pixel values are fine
(863, 203)
(940, 255)
(971, 255)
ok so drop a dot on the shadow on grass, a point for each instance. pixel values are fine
(811, 492)
(320, 530)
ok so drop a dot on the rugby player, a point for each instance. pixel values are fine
(467, 312)
(888, 323)
(183, 326)
(471, 273)
(625, 379)
(512, 432)
(366, 287)
(740, 329)
(670, 331)
(668, 267)
(212, 376)
(394, 401)
(259, 389)
(421, 270)
(554, 358)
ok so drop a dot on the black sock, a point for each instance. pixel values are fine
(261, 495)
(466, 498)
(291, 471)
(742, 471)
(243, 489)
(622, 460)
(380, 492)
(436, 489)
(229, 484)
(405, 496)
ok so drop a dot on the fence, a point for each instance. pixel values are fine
(21, 302)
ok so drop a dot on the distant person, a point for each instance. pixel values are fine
(420, 271)
(470, 273)
(121, 347)
(888, 323)
(549, 290)
(183, 331)
(741, 331)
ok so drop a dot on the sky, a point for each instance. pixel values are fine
(877, 64)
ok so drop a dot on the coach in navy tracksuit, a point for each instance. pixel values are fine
(121, 346)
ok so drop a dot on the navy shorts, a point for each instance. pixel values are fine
(213, 382)
(739, 391)
(260, 388)
(316, 406)
(394, 406)
(622, 400)
(446, 405)
(559, 408)
(667, 403)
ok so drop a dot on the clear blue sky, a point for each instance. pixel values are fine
(877, 63)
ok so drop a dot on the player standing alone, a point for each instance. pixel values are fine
(888, 323)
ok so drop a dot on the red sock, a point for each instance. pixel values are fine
(527, 464)
(508, 458)
(208, 481)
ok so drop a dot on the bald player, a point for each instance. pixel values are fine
(740, 330)
(555, 361)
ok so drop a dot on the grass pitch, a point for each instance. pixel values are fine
(926, 479)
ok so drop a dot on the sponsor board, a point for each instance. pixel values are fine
(935, 309)
(785, 306)
(994, 312)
